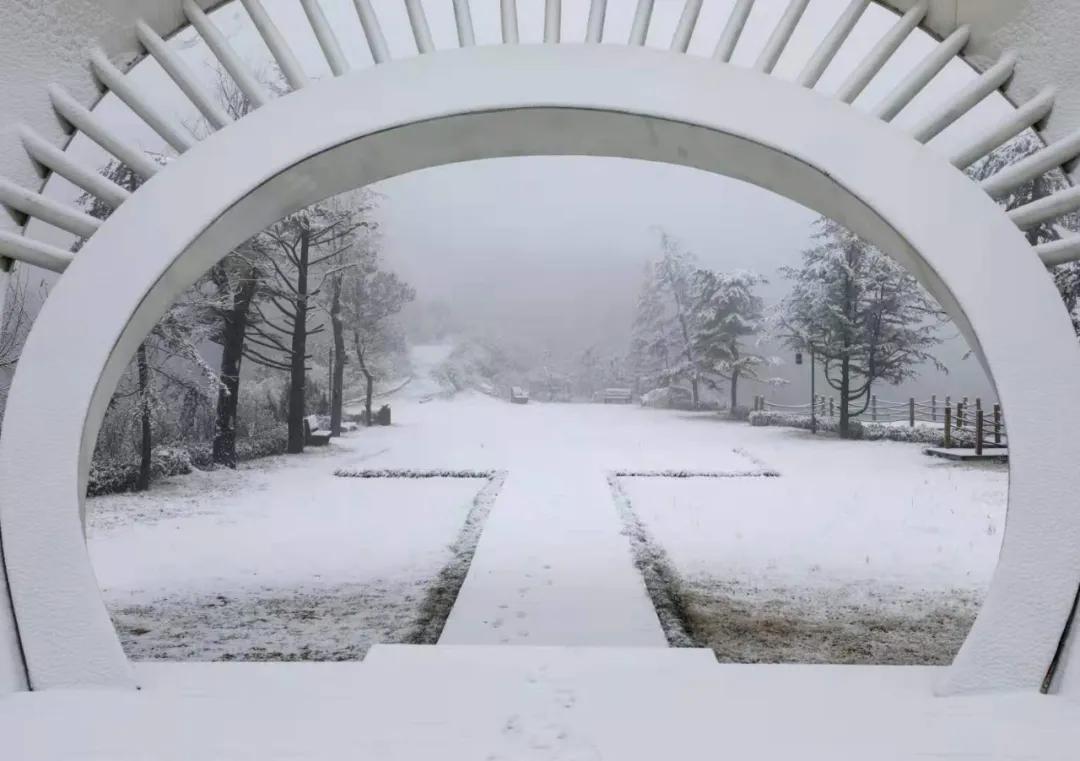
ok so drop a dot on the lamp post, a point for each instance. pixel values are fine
(813, 389)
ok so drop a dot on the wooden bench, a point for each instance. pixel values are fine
(313, 435)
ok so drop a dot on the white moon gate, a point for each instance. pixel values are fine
(512, 100)
(486, 102)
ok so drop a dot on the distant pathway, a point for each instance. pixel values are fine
(553, 568)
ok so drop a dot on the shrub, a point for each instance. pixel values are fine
(763, 418)
(110, 477)
(920, 434)
(739, 413)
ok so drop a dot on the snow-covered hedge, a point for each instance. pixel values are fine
(920, 434)
(116, 477)
(762, 418)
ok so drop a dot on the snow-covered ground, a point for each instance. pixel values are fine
(863, 552)
(857, 551)
(279, 560)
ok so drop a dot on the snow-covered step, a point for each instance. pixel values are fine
(529, 703)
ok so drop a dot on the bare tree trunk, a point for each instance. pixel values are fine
(298, 363)
(233, 331)
(337, 396)
(734, 389)
(368, 394)
(146, 444)
(845, 398)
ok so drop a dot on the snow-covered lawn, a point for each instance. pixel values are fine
(279, 560)
(865, 551)
(859, 551)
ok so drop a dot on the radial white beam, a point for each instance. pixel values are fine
(680, 41)
(279, 48)
(380, 51)
(725, 46)
(829, 47)
(328, 41)
(56, 160)
(778, 40)
(110, 76)
(1036, 165)
(182, 75)
(921, 75)
(463, 18)
(1059, 251)
(47, 210)
(1045, 209)
(881, 52)
(508, 18)
(79, 117)
(224, 52)
(1026, 115)
(23, 249)
(989, 81)
(552, 21)
(639, 30)
(420, 29)
(594, 28)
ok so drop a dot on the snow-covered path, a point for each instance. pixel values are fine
(552, 568)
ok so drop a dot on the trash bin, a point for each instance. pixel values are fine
(382, 417)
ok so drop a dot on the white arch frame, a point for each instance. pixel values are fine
(537, 100)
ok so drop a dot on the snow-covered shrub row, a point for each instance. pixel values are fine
(411, 473)
(765, 473)
(115, 477)
(920, 434)
(764, 418)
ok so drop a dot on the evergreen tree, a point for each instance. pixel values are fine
(665, 325)
(864, 316)
(726, 312)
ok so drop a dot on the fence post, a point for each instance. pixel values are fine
(978, 431)
(948, 426)
(831, 400)
(873, 408)
(933, 408)
(960, 414)
(997, 424)
(911, 411)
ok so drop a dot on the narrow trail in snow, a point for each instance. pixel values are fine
(553, 568)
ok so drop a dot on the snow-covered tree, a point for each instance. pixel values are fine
(727, 311)
(298, 255)
(173, 341)
(1066, 276)
(370, 296)
(663, 347)
(865, 318)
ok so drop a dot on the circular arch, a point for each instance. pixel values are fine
(540, 100)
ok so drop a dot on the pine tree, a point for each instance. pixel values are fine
(663, 346)
(727, 311)
(864, 316)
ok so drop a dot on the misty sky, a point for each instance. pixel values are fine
(549, 251)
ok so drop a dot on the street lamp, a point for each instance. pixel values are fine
(813, 389)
